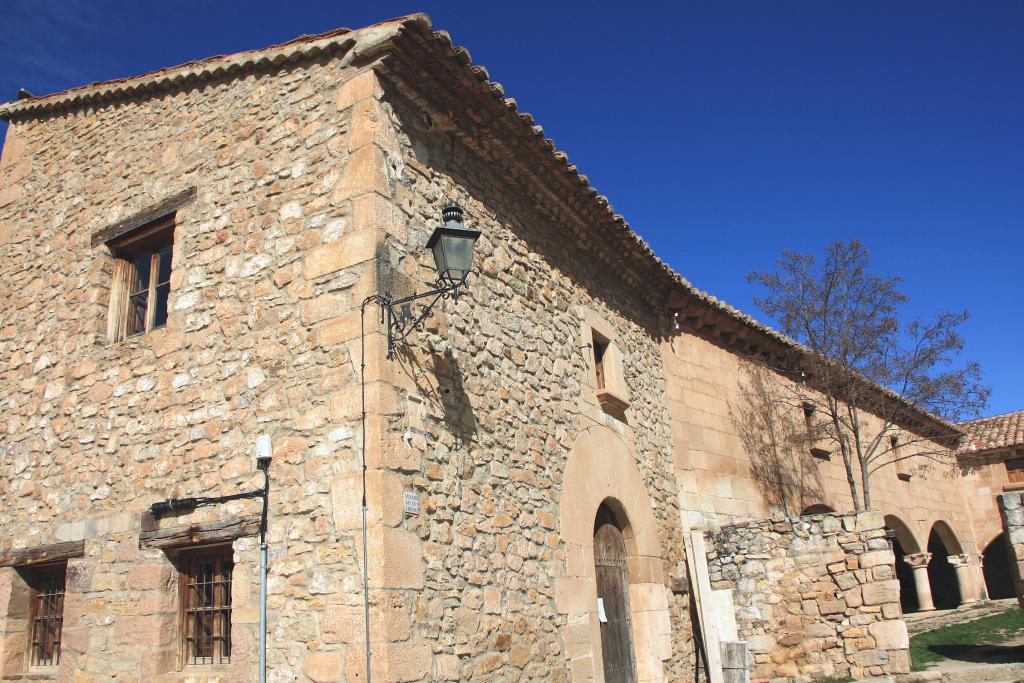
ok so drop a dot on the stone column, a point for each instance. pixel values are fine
(962, 564)
(1011, 509)
(979, 560)
(919, 563)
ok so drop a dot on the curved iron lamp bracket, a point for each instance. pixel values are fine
(398, 313)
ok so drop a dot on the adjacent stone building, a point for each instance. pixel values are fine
(185, 256)
(992, 463)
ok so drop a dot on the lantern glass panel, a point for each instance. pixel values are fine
(458, 256)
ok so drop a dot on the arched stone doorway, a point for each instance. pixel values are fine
(911, 567)
(610, 568)
(996, 569)
(602, 473)
(942, 545)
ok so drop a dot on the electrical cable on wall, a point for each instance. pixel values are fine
(362, 414)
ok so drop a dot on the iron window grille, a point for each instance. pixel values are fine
(206, 608)
(47, 611)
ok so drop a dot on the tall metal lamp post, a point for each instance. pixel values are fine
(452, 245)
(263, 458)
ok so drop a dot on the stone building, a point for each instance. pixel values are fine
(992, 463)
(184, 257)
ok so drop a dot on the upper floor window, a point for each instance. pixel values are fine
(206, 606)
(600, 345)
(141, 284)
(46, 616)
(1015, 470)
(813, 429)
(901, 469)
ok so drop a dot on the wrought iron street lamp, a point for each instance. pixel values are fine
(452, 245)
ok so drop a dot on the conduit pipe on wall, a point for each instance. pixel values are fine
(264, 449)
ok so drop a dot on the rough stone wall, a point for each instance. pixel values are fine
(1011, 510)
(720, 484)
(502, 376)
(814, 595)
(268, 262)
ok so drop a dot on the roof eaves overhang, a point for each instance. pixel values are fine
(485, 118)
(361, 44)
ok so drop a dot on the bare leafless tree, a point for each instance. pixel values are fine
(862, 361)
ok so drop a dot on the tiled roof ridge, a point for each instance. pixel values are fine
(977, 420)
(209, 68)
(368, 41)
(993, 432)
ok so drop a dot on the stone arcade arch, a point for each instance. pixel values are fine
(602, 472)
(817, 509)
(996, 569)
(945, 565)
(911, 567)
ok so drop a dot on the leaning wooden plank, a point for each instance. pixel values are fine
(697, 561)
(205, 533)
(42, 553)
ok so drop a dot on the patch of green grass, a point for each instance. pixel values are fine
(933, 646)
(834, 679)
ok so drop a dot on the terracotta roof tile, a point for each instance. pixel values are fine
(998, 431)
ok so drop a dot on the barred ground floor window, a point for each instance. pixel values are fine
(47, 613)
(206, 606)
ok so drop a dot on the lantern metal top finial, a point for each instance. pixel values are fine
(452, 213)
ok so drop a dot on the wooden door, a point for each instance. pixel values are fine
(613, 590)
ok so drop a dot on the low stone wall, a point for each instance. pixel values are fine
(1011, 509)
(814, 596)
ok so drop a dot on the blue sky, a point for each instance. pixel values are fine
(725, 132)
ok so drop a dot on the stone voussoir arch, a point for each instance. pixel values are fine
(904, 534)
(602, 470)
(949, 538)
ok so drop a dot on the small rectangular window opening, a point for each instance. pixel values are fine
(600, 347)
(1015, 470)
(206, 607)
(901, 470)
(47, 614)
(142, 279)
(817, 453)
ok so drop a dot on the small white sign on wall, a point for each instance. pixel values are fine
(601, 616)
(412, 503)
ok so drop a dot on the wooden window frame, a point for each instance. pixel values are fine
(150, 239)
(54, 612)
(221, 645)
(1015, 474)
